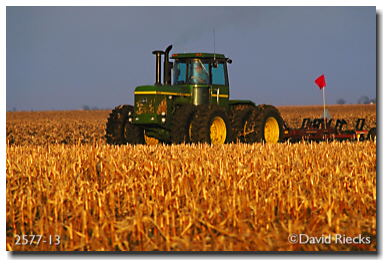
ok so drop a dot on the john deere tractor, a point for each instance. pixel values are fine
(192, 105)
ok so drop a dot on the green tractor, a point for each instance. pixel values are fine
(192, 105)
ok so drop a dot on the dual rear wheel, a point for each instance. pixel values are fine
(258, 124)
(200, 124)
(210, 124)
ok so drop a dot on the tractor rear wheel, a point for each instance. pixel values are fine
(266, 124)
(240, 125)
(182, 124)
(119, 130)
(211, 125)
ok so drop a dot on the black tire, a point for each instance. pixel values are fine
(257, 124)
(205, 116)
(372, 134)
(119, 131)
(239, 123)
(181, 121)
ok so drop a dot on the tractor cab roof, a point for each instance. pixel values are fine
(197, 55)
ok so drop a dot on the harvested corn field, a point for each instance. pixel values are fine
(88, 127)
(234, 197)
(56, 127)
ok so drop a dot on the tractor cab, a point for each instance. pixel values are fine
(200, 69)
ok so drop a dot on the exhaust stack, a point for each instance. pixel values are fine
(167, 66)
(158, 66)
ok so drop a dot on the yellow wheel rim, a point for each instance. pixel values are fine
(218, 131)
(271, 130)
(150, 140)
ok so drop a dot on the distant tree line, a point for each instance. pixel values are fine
(84, 107)
(366, 100)
(88, 108)
(361, 100)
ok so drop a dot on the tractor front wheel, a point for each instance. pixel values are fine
(211, 125)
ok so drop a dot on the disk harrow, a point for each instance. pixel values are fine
(320, 129)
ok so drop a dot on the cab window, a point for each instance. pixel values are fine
(179, 73)
(218, 74)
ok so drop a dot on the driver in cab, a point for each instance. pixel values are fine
(199, 74)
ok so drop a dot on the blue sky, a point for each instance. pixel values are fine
(66, 57)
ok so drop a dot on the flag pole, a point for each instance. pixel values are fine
(320, 81)
(323, 100)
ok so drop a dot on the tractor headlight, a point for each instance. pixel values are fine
(163, 119)
(163, 113)
(152, 118)
(130, 119)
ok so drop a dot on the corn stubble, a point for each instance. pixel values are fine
(62, 179)
(234, 197)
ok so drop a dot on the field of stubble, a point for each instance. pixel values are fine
(63, 180)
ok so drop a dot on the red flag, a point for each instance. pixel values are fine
(320, 81)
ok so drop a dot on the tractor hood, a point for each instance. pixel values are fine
(155, 100)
